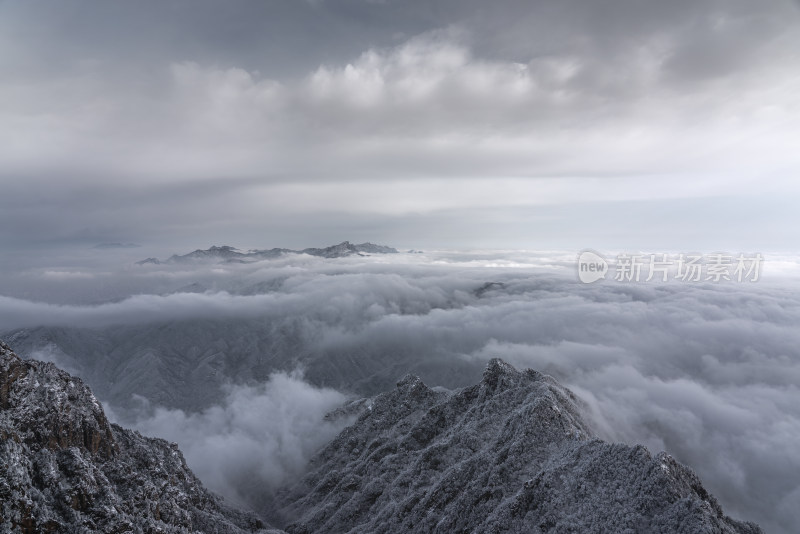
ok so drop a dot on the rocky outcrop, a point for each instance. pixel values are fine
(45, 408)
(65, 468)
(510, 454)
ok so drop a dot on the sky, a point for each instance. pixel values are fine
(178, 124)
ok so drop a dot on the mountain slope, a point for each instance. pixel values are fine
(65, 468)
(184, 364)
(510, 454)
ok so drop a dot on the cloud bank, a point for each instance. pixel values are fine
(258, 439)
(708, 372)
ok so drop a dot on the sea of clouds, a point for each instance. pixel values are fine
(706, 371)
(259, 439)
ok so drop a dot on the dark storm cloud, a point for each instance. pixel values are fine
(284, 37)
(152, 104)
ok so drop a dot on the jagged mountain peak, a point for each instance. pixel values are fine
(509, 454)
(51, 409)
(497, 370)
(412, 385)
(65, 468)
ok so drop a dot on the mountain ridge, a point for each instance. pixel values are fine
(510, 454)
(65, 468)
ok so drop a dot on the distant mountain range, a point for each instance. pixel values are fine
(230, 254)
(509, 454)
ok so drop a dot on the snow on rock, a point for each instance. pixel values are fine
(510, 454)
(65, 468)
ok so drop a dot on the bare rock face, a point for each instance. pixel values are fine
(50, 409)
(510, 454)
(65, 468)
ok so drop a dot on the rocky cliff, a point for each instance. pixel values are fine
(64, 468)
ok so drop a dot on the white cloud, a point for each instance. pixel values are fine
(427, 107)
(258, 439)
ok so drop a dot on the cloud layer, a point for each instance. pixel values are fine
(708, 372)
(258, 439)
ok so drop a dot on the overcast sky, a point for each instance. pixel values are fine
(447, 123)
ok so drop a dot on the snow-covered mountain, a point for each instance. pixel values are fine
(64, 468)
(230, 254)
(510, 454)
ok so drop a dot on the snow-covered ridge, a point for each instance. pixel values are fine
(65, 468)
(510, 454)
